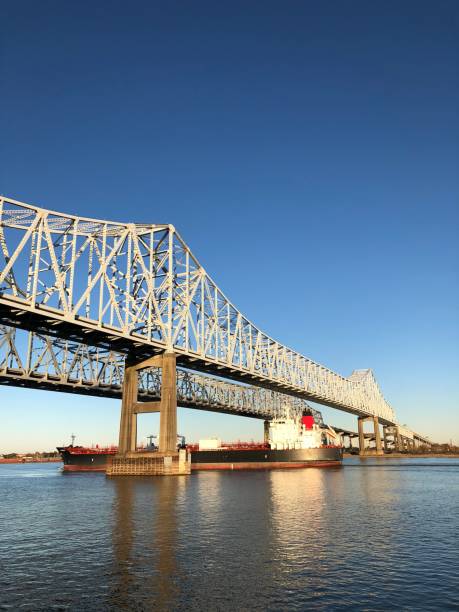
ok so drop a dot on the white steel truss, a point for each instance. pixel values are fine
(138, 289)
(28, 359)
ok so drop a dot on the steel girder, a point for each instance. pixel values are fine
(28, 359)
(138, 290)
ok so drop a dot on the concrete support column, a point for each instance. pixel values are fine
(266, 432)
(378, 445)
(360, 422)
(133, 433)
(377, 450)
(397, 440)
(167, 406)
(168, 410)
(128, 422)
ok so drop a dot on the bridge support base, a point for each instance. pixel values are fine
(368, 452)
(150, 464)
(166, 460)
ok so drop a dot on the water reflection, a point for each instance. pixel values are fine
(378, 491)
(300, 533)
(123, 537)
(280, 537)
(145, 541)
(230, 560)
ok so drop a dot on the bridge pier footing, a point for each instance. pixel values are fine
(128, 460)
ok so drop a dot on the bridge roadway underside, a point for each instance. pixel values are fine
(82, 330)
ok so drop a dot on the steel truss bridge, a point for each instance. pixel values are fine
(138, 290)
(28, 359)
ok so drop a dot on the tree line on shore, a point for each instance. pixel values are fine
(35, 455)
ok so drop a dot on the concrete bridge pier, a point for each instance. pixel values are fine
(363, 451)
(128, 422)
(168, 405)
(378, 444)
(398, 441)
(167, 460)
(393, 441)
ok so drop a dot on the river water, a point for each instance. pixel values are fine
(375, 534)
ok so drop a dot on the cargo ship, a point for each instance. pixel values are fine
(291, 443)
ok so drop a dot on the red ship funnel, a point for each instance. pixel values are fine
(308, 421)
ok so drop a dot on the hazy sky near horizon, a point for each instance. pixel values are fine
(307, 152)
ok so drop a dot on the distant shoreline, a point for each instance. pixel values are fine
(21, 460)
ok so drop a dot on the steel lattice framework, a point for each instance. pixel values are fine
(29, 359)
(138, 290)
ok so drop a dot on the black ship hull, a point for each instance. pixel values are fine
(222, 459)
(255, 459)
(83, 462)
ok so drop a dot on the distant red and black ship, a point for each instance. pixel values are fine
(83, 459)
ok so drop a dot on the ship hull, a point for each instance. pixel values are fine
(223, 459)
(265, 459)
(87, 462)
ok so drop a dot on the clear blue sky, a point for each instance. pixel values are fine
(307, 151)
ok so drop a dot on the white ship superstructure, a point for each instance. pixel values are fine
(289, 433)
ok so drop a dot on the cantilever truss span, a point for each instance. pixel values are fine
(28, 359)
(138, 290)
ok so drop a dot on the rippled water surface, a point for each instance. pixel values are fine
(376, 534)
